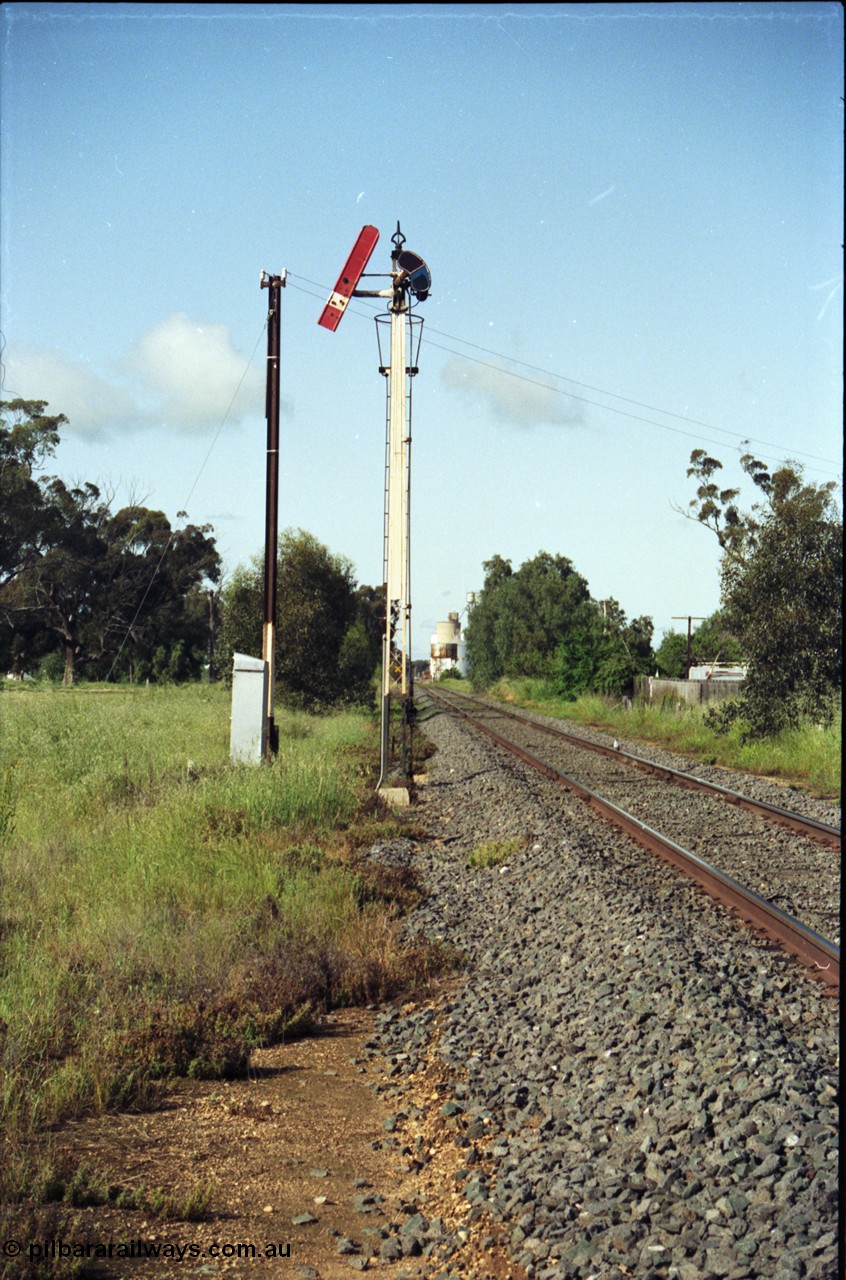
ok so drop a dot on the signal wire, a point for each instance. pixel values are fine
(571, 395)
(693, 422)
(183, 509)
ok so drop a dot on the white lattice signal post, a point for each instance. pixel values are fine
(410, 283)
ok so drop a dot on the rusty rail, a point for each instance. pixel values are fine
(821, 957)
(821, 832)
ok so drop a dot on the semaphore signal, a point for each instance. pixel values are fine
(411, 282)
(330, 316)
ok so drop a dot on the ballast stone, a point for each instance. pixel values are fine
(698, 1096)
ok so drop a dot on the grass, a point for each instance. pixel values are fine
(807, 758)
(163, 911)
(493, 853)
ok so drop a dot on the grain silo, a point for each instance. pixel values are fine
(448, 650)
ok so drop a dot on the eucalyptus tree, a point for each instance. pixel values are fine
(782, 589)
(328, 630)
(28, 437)
(541, 620)
(100, 588)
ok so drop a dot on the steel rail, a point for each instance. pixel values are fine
(821, 957)
(821, 832)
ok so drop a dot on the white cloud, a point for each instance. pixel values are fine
(192, 372)
(93, 406)
(511, 398)
(186, 375)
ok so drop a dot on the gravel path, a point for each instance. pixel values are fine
(637, 1086)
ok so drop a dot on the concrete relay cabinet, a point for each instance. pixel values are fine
(248, 731)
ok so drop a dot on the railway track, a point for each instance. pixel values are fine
(777, 870)
(634, 1081)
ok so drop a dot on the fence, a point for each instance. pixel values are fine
(695, 692)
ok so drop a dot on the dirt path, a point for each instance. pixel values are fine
(303, 1136)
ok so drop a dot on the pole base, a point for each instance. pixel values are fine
(397, 797)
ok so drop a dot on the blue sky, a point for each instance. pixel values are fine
(633, 218)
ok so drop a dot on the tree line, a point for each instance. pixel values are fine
(540, 620)
(781, 578)
(328, 628)
(88, 592)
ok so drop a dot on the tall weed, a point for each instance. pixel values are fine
(162, 910)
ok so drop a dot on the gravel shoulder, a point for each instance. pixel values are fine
(312, 1173)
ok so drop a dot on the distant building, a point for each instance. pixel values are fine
(718, 671)
(448, 650)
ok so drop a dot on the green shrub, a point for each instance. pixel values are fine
(493, 852)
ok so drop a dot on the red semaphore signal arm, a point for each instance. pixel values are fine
(330, 316)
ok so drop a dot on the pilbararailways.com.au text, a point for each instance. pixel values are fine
(44, 1250)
